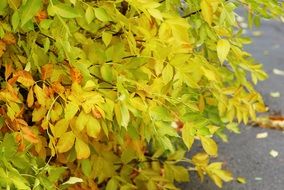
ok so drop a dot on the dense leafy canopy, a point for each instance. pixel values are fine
(111, 94)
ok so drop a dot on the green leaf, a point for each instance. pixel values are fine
(15, 20)
(178, 173)
(125, 115)
(55, 173)
(106, 72)
(112, 184)
(3, 5)
(101, 14)
(128, 155)
(223, 48)
(159, 113)
(14, 4)
(86, 167)
(209, 145)
(65, 11)
(29, 10)
(90, 14)
(8, 146)
(106, 37)
(2, 32)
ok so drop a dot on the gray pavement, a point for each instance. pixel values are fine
(245, 155)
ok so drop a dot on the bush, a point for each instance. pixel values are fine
(112, 94)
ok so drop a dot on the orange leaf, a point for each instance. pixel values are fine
(29, 135)
(41, 15)
(30, 98)
(76, 76)
(96, 113)
(46, 71)
(8, 70)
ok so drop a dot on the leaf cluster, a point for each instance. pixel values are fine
(111, 94)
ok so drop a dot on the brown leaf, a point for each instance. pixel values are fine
(9, 38)
(46, 71)
(2, 48)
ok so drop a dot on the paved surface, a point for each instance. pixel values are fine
(245, 155)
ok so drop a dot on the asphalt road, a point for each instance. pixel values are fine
(245, 155)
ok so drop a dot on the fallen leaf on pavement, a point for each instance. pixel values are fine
(258, 178)
(275, 94)
(261, 135)
(274, 153)
(257, 33)
(278, 72)
(241, 180)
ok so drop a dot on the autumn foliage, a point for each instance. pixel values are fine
(112, 94)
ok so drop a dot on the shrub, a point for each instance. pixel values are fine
(112, 94)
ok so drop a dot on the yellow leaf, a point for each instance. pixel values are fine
(217, 180)
(60, 128)
(106, 37)
(25, 78)
(70, 110)
(82, 120)
(30, 98)
(56, 112)
(65, 142)
(241, 180)
(187, 136)
(40, 95)
(200, 159)
(156, 14)
(93, 127)
(223, 48)
(206, 11)
(122, 114)
(209, 145)
(209, 74)
(224, 175)
(82, 149)
(38, 114)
